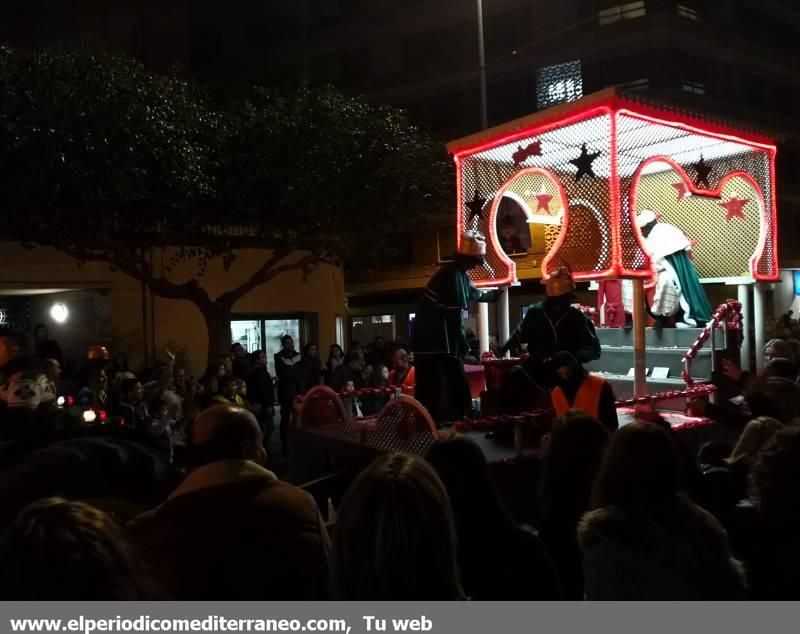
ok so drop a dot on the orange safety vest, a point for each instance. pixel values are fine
(407, 386)
(587, 399)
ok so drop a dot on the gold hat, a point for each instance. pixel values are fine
(559, 283)
(472, 244)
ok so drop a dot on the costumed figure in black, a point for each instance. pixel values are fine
(549, 327)
(440, 340)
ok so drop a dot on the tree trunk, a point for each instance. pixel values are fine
(218, 324)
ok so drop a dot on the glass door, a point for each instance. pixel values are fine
(247, 332)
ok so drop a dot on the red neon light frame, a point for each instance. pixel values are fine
(758, 254)
(615, 106)
(541, 171)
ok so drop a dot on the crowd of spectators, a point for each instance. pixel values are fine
(630, 514)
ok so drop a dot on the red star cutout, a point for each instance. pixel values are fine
(543, 202)
(735, 208)
(682, 190)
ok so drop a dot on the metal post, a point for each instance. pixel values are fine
(482, 68)
(639, 342)
(759, 314)
(713, 340)
(502, 315)
(483, 326)
(744, 300)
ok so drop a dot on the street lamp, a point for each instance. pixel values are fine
(502, 300)
(482, 68)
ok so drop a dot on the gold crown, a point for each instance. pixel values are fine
(559, 283)
(472, 244)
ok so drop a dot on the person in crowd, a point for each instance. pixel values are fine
(753, 438)
(119, 363)
(573, 452)
(161, 426)
(774, 349)
(335, 361)
(52, 370)
(395, 538)
(646, 540)
(498, 559)
(312, 366)
(378, 353)
(775, 397)
(356, 347)
(210, 380)
(227, 392)
(240, 387)
(227, 361)
(289, 369)
(352, 402)
(133, 407)
(351, 371)
(232, 530)
(577, 389)
(44, 346)
(377, 378)
(261, 394)
(59, 550)
(240, 364)
(767, 542)
(95, 391)
(402, 374)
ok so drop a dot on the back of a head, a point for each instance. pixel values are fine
(775, 397)
(641, 468)
(780, 349)
(576, 448)
(774, 479)
(461, 465)
(225, 432)
(754, 436)
(394, 537)
(781, 368)
(61, 550)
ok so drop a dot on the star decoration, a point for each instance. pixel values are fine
(543, 201)
(682, 190)
(476, 206)
(734, 207)
(584, 163)
(703, 170)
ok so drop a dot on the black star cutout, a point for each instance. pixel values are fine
(476, 206)
(584, 163)
(703, 170)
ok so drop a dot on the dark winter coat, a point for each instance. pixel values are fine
(677, 553)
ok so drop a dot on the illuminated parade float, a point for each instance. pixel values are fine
(652, 205)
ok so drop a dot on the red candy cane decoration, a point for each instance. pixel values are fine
(730, 310)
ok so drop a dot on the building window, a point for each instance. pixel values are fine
(636, 85)
(627, 11)
(340, 331)
(688, 12)
(559, 83)
(365, 329)
(694, 87)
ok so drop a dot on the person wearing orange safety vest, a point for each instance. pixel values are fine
(402, 374)
(577, 389)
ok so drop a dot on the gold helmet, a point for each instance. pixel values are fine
(559, 283)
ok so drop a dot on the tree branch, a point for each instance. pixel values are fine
(268, 271)
(137, 267)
